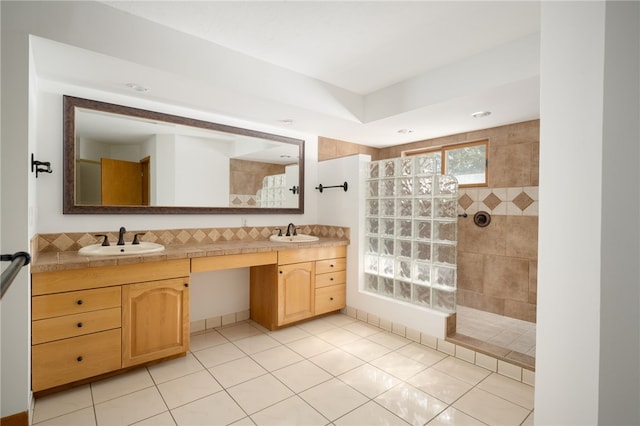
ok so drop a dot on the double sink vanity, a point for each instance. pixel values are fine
(99, 310)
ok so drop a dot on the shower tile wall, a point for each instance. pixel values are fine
(497, 265)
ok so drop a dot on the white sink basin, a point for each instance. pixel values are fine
(300, 238)
(116, 250)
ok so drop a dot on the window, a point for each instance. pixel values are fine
(467, 162)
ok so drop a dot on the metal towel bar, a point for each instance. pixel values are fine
(18, 260)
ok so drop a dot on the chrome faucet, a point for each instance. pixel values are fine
(121, 236)
(295, 230)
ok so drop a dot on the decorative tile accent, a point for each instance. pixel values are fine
(522, 201)
(60, 242)
(492, 201)
(465, 201)
(511, 201)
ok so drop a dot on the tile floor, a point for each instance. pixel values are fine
(330, 371)
(509, 333)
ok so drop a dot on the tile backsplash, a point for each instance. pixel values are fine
(73, 241)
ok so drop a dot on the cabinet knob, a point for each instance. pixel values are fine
(80, 302)
(280, 271)
(80, 325)
(331, 298)
(79, 359)
(186, 284)
(331, 279)
(331, 265)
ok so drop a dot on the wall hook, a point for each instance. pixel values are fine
(40, 166)
(343, 186)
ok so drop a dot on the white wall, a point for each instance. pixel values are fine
(340, 208)
(587, 352)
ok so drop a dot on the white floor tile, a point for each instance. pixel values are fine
(411, 404)
(338, 336)
(237, 371)
(438, 384)
(462, 370)
(162, 419)
(398, 365)
(64, 402)
(291, 411)
(83, 417)
(336, 361)
(302, 375)
(174, 368)
(340, 320)
(390, 340)
(453, 417)
(365, 349)
(422, 354)
(509, 389)
(362, 329)
(258, 343)
(206, 340)
(369, 380)
(276, 358)
(238, 331)
(310, 346)
(370, 414)
(123, 384)
(130, 408)
(218, 406)
(187, 389)
(259, 393)
(219, 354)
(333, 398)
(491, 409)
(289, 334)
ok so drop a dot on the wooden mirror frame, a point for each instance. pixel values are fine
(69, 156)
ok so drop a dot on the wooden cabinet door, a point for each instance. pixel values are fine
(296, 292)
(155, 320)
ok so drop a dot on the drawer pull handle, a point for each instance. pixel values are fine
(80, 325)
(79, 359)
(80, 302)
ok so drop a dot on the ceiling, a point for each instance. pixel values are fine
(357, 71)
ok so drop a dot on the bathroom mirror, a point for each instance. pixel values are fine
(119, 159)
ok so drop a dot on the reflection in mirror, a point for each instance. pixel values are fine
(127, 160)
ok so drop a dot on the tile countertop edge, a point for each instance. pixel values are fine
(60, 261)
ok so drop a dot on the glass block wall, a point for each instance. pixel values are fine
(272, 193)
(411, 232)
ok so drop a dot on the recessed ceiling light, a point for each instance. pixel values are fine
(137, 87)
(286, 122)
(405, 131)
(481, 114)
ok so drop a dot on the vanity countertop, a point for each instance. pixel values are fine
(65, 260)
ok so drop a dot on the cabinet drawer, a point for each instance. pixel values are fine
(48, 330)
(331, 298)
(331, 265)
(331, 278)
(74, 302)
(310, 254)
(69, 360)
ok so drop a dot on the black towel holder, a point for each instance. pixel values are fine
(343, 186)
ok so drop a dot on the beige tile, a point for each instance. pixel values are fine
(365, 349)
(336, 361)
(389, 340)
(488, 240)
(258, 343)
(465, 354)
(289, 334)
(361, 329)
(189, 388)
(218, 354)
(237, 371)
(462, 370)
(172, 369)
(506, 277)
(509, 389)
(276, 358)
(57, 404)
(411, 404)
(218, 406)
(238, 331)
(162, 419)
(440, 385)
(422, 354)
(491, 409)
(370, 414)
(208, 339)
(398, 365)
(333, 398)
(510, 370)
(259, 393)
(130, 408)
(291, 411)
(470, 271)
(310, 346)
(453, 417)
(82, 417)
(122, 384)
(446, 347)
(522, 236)
(369, 380)
(302, 375)
(338, 336)
(486, 361)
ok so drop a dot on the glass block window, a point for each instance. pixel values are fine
(411, 232)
